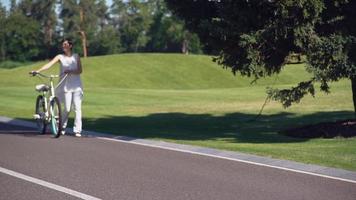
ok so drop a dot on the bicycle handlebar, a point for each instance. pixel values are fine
(34, 73)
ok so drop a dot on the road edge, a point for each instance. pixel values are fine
(310, 169)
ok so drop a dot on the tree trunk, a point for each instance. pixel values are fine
(82, 33)
(185, 47)
(84, 43)
(2, 49)
(48, 37)
(353, 85)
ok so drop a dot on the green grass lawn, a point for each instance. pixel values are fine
(191, 100)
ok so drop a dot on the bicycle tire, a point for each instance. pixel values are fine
(56, 117)
(40, 111)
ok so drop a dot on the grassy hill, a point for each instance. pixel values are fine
(191, 100)
(154, 71)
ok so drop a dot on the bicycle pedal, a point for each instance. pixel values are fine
(36, 116)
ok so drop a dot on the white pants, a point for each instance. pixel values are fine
(73, 99)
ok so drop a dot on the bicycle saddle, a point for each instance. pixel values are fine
(42, 88)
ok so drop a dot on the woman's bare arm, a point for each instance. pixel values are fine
(50, 64)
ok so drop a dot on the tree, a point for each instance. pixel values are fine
(79, 21)
(13, 6)
(20, 44)
(106, 39)
(167, 33)
(158, 29)
(255, 37)
(2, 32)
(69, 15)
(132, 19)
(332, 56)
(102, 12)
(44, 13)
(89, 21)
(106, 42)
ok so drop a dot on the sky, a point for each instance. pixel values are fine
(6, 3)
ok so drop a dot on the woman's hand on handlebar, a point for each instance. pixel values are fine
(33, 73)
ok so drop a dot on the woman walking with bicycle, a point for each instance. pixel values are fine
(71, 90)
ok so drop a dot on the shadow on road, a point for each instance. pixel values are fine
(6, 128)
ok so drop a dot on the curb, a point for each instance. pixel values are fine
(316, 170)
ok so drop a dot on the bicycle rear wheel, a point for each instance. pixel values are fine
(41, 114)
(56, 117)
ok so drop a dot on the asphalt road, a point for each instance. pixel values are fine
(112, 170)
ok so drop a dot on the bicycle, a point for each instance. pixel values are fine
(48, 107)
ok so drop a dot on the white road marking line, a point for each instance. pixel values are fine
(227, 158)
(48, 184)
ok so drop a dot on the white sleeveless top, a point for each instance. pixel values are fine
(73, 82)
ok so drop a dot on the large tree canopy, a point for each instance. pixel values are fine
(255, 37)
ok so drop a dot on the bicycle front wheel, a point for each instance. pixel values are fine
(56, 117)
(41, 114)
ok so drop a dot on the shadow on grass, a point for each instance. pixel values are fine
(233, 127)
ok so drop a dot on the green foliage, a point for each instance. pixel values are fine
(149, 26)
(106, 42)
(72, 23)
(21, 44)
(135, 18)
(289, 96)
(2, 32)
(168, 33)
(42, 12)
(254, 38)
(163, 31)
(329, 59)
(69, 14)
(127, 26)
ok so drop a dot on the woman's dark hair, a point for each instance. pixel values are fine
(69, 41)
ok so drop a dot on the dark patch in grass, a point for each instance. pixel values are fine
(343, 128)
